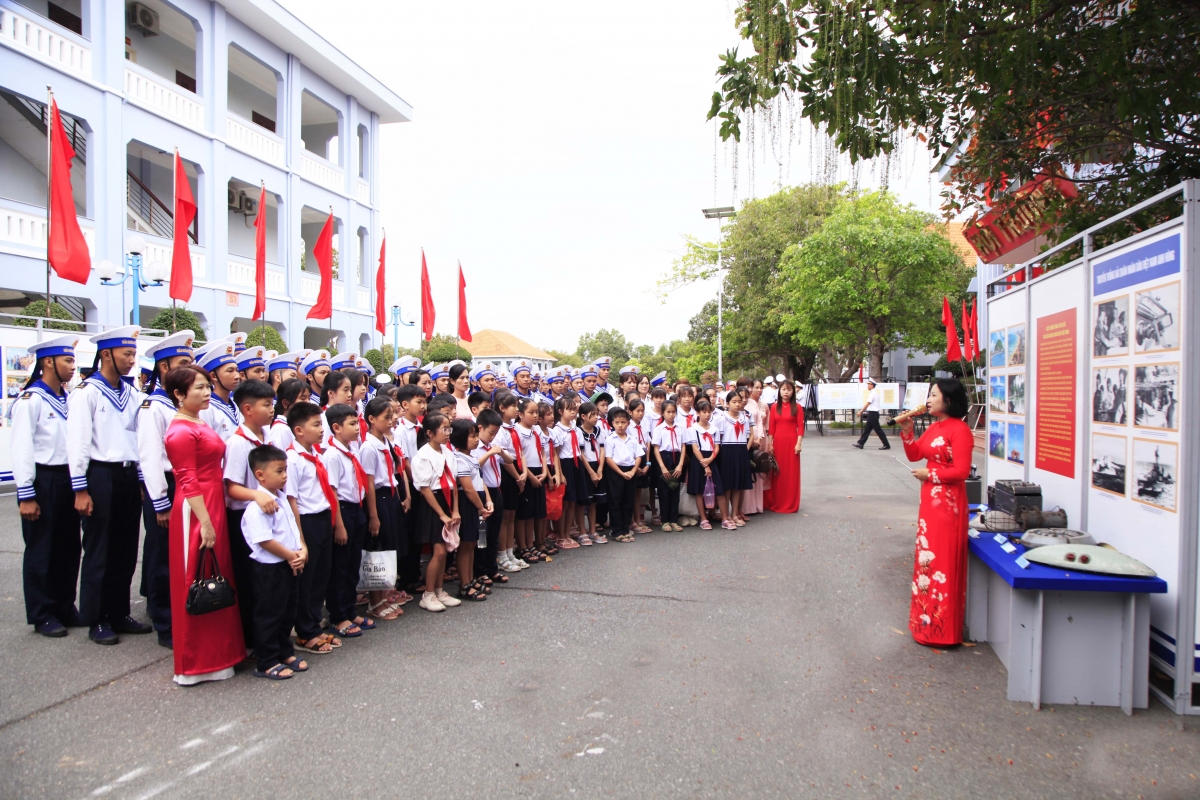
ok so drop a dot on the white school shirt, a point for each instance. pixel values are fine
(705, 438)
(505, 441)
(101, 426)
(342, 475)
(490, 469)
(259, 526)
(406, 437)
(591, 445)
(638, 431)
(547, 446)
(222, 417)
(237, 464)
(625, 452)
(531, 451)
(39, 435)
(569, 441)
(280, 434)
(154, 416)
(378, 462)
(428, 466)
(302, 482)
(686, 419)
(467, 466)
(729, 431)
(662, 438)
(651, 421)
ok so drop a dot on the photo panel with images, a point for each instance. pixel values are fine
(997, 385)
(1110, 327)
(1016, 394)
(1155, 473)
(1109, 460)
(1157, 325)
(996, 439)
(14, 385)
(996, 351)
(1016, 442)
(1110, 395)
(1016, 346)
(1156, 390)
(17, 359)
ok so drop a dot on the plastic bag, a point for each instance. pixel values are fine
(710, 493)
(377, 572)
(554, 502)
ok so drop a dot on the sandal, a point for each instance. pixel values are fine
(484, 579)
(584, 540)
(383, 610)
(479, 584)
(349, 631)
(333, 640)
(296, 665)
(705, 525)
(568, 544)
(275, 673)
(500, 577)
(469, 592)
(317, 644)
(364, 624)
(361, 599)
(624, 537)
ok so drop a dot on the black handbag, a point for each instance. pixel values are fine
(209, 593)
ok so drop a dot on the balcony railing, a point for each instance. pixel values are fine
(38, 115)
(145, 206)
(27, 228)
(239, 271)
(171, 101)
(161, 251)
(362, 192)
(321, 172)
(250, 138)
(44, 40)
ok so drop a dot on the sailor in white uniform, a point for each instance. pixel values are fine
(158, 480)
(219, 361)
(252, 364)
(102, 454)
(603, 367)
(283, 367)
(401, 367)
(313, 369)
(49, 522)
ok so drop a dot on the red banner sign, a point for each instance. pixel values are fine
(1019, 220)
(1054, 410)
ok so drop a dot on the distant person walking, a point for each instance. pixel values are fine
(870, 418)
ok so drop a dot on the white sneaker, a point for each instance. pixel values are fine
(509, 566)
(446, 600)
(430, 602)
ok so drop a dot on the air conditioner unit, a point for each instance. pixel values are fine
(249, 205)
(144, 19)
(235, 199)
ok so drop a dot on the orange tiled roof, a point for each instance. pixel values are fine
(953, 231)
(490, 343)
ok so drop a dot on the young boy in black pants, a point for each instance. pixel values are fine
(623, 456)
(277, 556)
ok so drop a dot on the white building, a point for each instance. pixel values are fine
(248, 94)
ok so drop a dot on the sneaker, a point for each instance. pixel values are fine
(859, 446)
(446, 600)
(51, 628)
(430, 602)
(599, 538)
(584, 540)
(103, 634)
(130, 625)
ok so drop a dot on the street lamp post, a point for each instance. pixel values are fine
(396, 323)
(719, 214)
(156, 273)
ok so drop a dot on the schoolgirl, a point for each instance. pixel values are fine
(686, 416)
(287, 394)
(641, 481)
(336, 390)
(531, 505)
(671, 457)
(704, 439)
(576, 497)
(437, 506)
(379, 461)
(464, 437)
(512, 481)
(554, 478)
(594, 492)
(737, 435)
(491, 458)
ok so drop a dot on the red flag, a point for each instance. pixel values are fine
(66, 249)
(181, 254)
(975, 330)
(464, 329)
(260, 256)
(953, 353)
(323, 253)
(380, 287)
(428, 314)
(966, 326)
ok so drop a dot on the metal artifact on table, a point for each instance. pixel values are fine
(1089, 558)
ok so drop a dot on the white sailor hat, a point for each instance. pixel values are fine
(117, 337)
(317, 358)
(509, 380)
(521, 366)
(216, 355)
(177, 344)
(342, 360)
(250, 358)
(404, 365)
(659, 379)
(604, 362)
(781, 377)
(769, 380)
(363, 365)
(239, 341)
(269, 354)
(58, 346)
(556, 376)
(438, 371)
(284, 361)
(450, 364)
(482, 371)
(588, 371)
(629, 369)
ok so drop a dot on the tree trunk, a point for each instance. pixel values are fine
(875, 350)
(799, 365)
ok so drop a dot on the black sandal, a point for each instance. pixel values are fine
(500, 577)
(470, 593)
(481, 586)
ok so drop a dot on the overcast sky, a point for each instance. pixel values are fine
(560, 151)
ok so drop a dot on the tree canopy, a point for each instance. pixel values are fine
(266, 336)
(184, 319)
(37, 308)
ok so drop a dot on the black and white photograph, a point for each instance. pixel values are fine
(1110, 395)
(1156, 388)
(1016, 394)
(1109, 459)
(1158, 318)
(1154, 465)
(1110, 329)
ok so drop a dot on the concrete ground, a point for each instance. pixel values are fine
(773, 661)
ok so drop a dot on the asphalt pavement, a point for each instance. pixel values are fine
(769, 662)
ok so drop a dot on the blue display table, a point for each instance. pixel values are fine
(1065, 637)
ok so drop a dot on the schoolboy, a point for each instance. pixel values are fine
(492, 459)
(477, 401)
(314, 504)
(277, 557)
(623, 455)
(356, 508)
(412, 408)
(512, 481)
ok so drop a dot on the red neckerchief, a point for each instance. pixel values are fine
(575, 446)
(492, 461)
(537, 440)
(241, 433)
(360, 474)
(397, 453)
(738, 426)
(641, 440)
(362, 429)
(516, 442)
(387, 449)
(674, 438)
(604, 423)
(706, 436)
(447, 482)
(688, 419)
(322, 479)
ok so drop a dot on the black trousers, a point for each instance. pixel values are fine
(156, 562)
(51, 564)
(314, 580)
(110, 542)
(485, 560)
(275, 593)
(243, 573)
(408, 564)
(620, 501)
(668, 499)
(599, 495)
(871, 423)
(347, 558)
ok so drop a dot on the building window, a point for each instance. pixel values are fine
(23, 130)
(311, 223)
(241, 211)
(65, 13)
(364, 255)
(253, 89)
(150, 191)
(363, 151)
(320, 124)
(163, 41)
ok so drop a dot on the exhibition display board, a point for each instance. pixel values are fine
(852, 396)
(1088, 368)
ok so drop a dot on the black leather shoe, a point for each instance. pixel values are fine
(886, 447)
(859, 446)
(103, 634)
(164, 640)
(130, 625)
(51, 628)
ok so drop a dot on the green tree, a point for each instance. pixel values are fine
(573, 359)
(266, 336)
(1005, 91)
(374, 357)
(605, 342)
(38, 309)
(872, 277)
(440, 349)
(185, 320)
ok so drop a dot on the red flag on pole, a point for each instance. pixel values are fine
(953, 352)
(66, 249)
(260, 256)
(428, 314)
(323, 253)
(966, 326)
(380, 287)
(974, 327)
(181, 253)
(464, 329)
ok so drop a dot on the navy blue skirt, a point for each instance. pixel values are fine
(391, 523)
(468, 529)
(735, 467)
(696, 477)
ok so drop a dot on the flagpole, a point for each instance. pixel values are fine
(262, 186)
(174, 195)
(458, 312)
(329, 344)
(49, 185)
